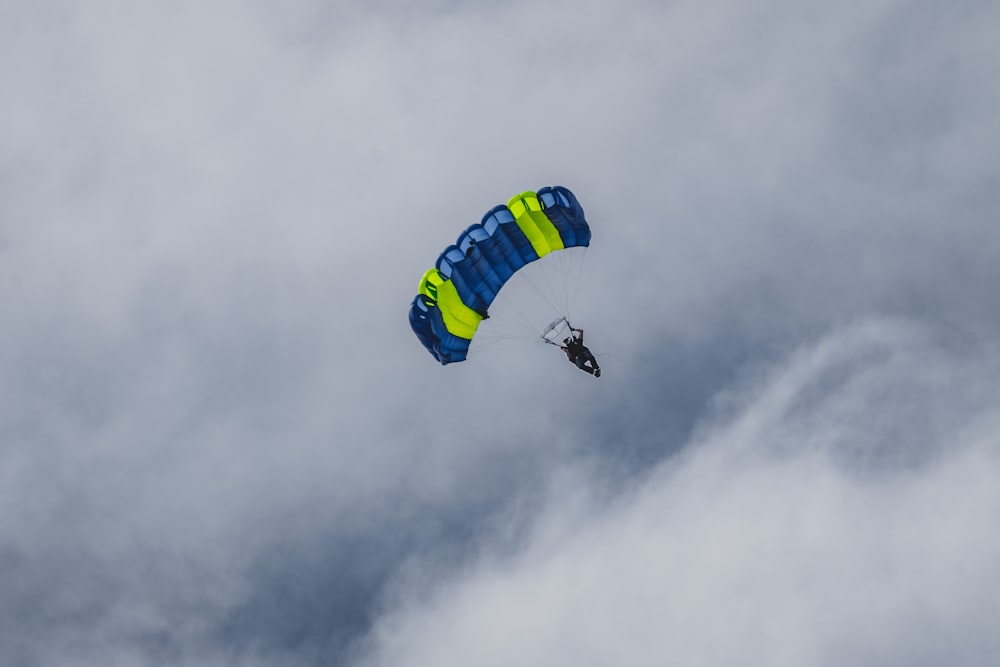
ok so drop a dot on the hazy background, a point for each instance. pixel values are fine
(221, 444)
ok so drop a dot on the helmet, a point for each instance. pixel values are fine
(567, 341)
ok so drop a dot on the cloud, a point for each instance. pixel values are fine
(220, 440)
(772, 540)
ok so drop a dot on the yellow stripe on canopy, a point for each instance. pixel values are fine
(528, 215)
(459, 319)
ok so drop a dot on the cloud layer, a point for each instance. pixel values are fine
(221, 444)
(798, 529)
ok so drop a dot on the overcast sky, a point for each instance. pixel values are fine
(221, 444)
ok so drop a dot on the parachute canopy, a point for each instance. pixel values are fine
(453, 297)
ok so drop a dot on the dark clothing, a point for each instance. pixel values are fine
(580, 354)
(574, 348)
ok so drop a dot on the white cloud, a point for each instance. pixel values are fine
(765, 544)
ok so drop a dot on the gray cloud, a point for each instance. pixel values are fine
(221, 444)
(772, 540)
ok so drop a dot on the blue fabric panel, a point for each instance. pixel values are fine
(563, 226)
(466, 290)
(482, 252)
(575, 215)
(420, 322)
(468, 278)
(452, 347)
(556, 213)
(499, 224)
(481, 264)
(566, 214)
(428, 325)
(521, 243)
(500, 269)
(491, 225)
(480, 274)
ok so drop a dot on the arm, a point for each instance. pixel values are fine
(579, 331)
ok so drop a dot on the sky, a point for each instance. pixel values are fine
(221, 444)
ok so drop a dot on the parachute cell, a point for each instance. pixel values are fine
(454, 296)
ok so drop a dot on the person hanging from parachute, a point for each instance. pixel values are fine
(579, 354)
(455, 296)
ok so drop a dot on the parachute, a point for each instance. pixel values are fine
(454, 297)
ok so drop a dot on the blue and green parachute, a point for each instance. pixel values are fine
(453, 297)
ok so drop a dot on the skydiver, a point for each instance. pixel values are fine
(579, 354)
